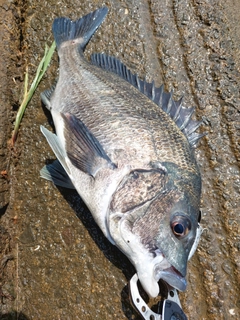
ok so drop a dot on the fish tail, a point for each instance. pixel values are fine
(82, 29)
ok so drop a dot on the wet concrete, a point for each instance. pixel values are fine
(54, 261)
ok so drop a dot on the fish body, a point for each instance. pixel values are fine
(127, 148)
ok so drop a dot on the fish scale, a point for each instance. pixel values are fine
(127, 148)
(168, 140)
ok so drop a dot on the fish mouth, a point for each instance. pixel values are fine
(172, 276)
(158, 268)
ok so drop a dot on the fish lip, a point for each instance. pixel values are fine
(172, 276)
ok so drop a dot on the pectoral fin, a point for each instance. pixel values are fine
(82, 148)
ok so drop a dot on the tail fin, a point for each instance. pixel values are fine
(64, 29)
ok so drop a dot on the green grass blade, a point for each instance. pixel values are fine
(42, 67)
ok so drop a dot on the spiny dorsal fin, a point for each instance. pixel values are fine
(179, 114)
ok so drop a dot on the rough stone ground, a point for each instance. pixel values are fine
(54, 261)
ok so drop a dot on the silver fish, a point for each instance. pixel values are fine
(127, 147)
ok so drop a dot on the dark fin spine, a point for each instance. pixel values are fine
(180, 115)
(64, 29)
(83, 149)
(195, 137)
(186, 116)
(179, 107)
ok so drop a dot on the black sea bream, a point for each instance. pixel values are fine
(127, 148)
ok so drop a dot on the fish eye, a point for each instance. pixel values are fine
(178, 229)
(180, 225)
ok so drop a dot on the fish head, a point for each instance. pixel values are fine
(156, 224)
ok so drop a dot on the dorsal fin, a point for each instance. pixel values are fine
(179, 114)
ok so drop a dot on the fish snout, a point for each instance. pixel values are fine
(172, 276)
(150, 276)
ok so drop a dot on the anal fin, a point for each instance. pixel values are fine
(82, 148)
(56, 146)
(54, 172)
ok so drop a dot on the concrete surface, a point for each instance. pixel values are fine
(54, 261)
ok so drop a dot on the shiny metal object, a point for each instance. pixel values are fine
(171, 306)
